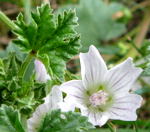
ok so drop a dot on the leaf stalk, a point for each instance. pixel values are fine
(7, 21)
(25, 65)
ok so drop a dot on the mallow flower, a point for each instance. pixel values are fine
(41, 73)
(54, 100)
(51, 103)
(103, 93)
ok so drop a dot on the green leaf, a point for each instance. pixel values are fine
(60, 56)
(146, 71)
(57, 121)
(34, 35)
(10, 120)
(51, 36)
(12, 48)
(2, 71)
(145, 48)
(46, 32)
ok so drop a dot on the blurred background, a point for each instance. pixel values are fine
(118, 28)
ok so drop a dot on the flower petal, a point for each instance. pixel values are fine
(75, 92)
(65, 106)
(73, 86)
(54, 97)
(51, 102)
(96, 118)
(125, 107)
(34, 121)
(93, 67)
(121, 77)
(41, 73)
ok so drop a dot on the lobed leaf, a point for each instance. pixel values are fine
(10, 120)
(57, 121)
(49, 35)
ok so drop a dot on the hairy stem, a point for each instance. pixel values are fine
(7, 21)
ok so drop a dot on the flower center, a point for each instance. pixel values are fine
(98, 98)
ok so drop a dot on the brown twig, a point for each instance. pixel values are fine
(141, 33)
(141, 5)
(144, 28)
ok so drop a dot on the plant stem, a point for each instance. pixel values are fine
(25, 64)
(137, 49)
(27, 10)
(141, 33)
(135, 126)
(7, 21)
(112, 129)
(144, 28)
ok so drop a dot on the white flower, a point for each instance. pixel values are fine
(103, 94)
(52, 101)
(41, 73)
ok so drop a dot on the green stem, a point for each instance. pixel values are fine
(137, 49)
(7, 21)
(112, 129)
(25, 64)
(135, 126)
(27, 10)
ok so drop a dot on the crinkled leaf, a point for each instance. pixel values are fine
(49, 35)
(10, 120)
(57, 121)
(14, 91)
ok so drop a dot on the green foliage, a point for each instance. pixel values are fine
(147, 70)
(144, 59)
(96, 21)
(145, 48)
(10, 120)
(33, 36)
(14, 91)
(12, 48)
(2, 71)
(57, 121)
(118, 130)
(52, 39)
(51, 36)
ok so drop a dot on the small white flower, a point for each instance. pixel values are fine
(41, 73)
(103, 94)
(51, 102)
